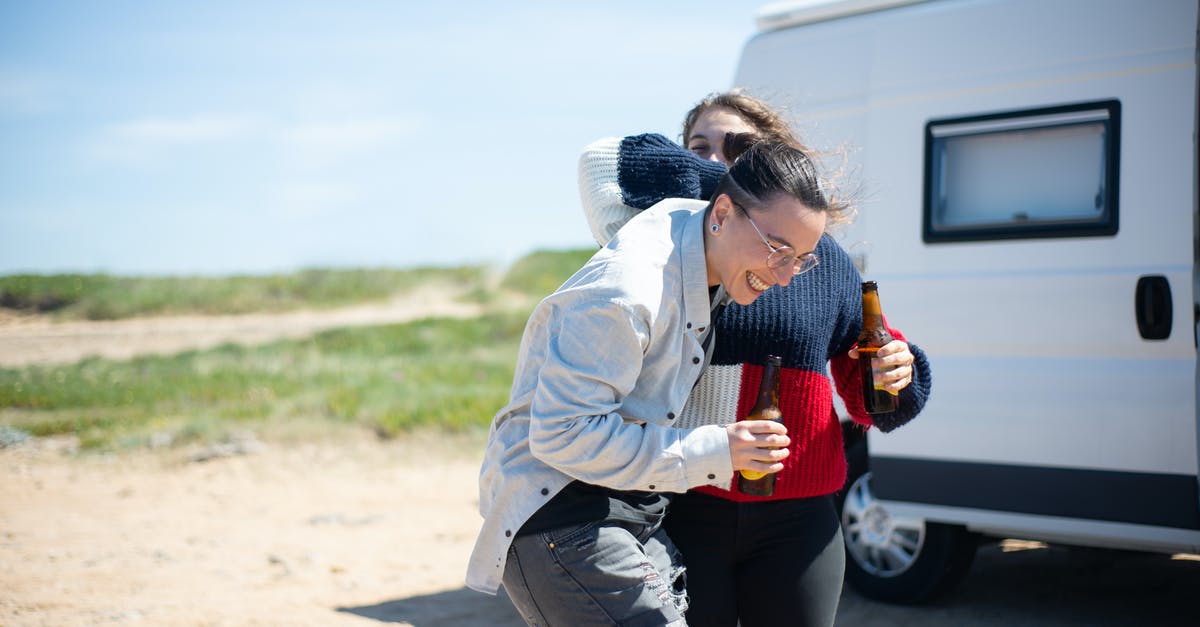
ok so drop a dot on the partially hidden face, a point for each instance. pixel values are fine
(707, 136)
(737, 256)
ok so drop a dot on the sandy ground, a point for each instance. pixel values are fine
(354, 531)
(319, 534)
(315, 534)
(359, 532)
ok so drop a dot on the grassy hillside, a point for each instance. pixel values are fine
(445, 373)
(104, 297)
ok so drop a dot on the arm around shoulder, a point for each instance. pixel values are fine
(620, 177)
(600, 190)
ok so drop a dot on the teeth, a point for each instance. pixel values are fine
(756, 282)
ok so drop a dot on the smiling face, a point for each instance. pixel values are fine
(706, 138)
(737, 256)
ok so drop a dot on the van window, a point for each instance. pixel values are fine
(1046, 172)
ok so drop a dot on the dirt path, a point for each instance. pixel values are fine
(28, 340)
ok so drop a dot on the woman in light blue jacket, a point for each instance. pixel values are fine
(581, 463)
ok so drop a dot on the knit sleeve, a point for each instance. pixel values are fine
(913, 397)
(620, 177)
(653, 167)
(599, 191)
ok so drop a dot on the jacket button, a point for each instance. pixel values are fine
(711, 476)
(689, 325)
(545, 491)
(651, 486)
(671, 416)
(508, 533)
(695, 360)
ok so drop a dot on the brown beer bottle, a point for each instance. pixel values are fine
(874, 335)
(767, 408)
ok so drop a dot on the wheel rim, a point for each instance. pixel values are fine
(881, 544)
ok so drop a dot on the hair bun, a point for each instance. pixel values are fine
(737, 143)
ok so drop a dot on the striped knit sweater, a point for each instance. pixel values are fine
(810, 324)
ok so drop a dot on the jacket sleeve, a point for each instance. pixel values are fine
(575, 426)
(620, 177)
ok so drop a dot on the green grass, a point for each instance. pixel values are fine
(540, 273)
(447, 374)
(104, 297)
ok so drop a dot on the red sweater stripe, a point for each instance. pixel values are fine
(806, 401)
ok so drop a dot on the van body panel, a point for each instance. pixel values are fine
(1056, 529)
(1042, 370)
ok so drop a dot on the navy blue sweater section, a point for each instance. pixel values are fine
(652, 167)
(825, 302)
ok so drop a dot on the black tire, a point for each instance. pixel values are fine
(892, 560)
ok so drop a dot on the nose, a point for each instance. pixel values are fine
(783, 275)
(718, 157)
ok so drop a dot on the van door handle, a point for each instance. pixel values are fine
(1152, 303)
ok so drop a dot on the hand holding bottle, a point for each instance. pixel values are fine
(893, 365)
(878, 398)
(751, 479)
(758, 445)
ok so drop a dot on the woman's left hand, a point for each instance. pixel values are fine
(893, 365)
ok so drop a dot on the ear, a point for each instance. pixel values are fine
(722, 210)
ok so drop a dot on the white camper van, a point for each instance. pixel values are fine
(1030, 215)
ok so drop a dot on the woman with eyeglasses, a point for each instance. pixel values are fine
(581, 463)
(775, 560)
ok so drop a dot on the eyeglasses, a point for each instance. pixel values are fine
(784, 255)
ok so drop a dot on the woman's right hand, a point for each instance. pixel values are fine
(759, 445)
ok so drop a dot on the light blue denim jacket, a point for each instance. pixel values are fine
(605, 367)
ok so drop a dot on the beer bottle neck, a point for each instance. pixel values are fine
(872, 312)
(768, 385)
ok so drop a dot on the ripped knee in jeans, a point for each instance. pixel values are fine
(671, 589)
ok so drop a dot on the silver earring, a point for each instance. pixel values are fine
(714, 227)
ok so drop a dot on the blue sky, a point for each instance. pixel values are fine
(219, 137)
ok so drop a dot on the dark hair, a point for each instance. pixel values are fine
(770, 127)
(769, 169)
(767, 122)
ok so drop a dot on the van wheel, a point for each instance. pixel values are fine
(900, 560)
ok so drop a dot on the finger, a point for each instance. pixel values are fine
(853, 353)
(776, 441)
(893, 375)
(892, 369)
(888, 378)
(893, 347)
(764, 426)
(768, 468)
(746, 456)
(901, 358)
(773, 455)
(895, 388)
(899, 381)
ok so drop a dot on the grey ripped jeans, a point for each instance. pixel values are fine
(597, 573)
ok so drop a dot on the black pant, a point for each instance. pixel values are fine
(768, 563)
